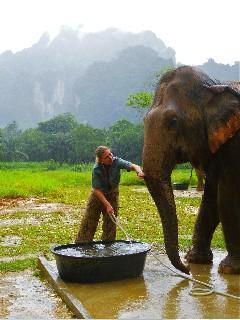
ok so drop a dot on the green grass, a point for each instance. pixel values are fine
(26, 183)
(137, 212)
(142, 221)
(183, 175)
(45, 166)
(18, 265)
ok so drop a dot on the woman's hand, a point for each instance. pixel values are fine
(140, 174)
(109, 209)
(105, 202)
(138, 170)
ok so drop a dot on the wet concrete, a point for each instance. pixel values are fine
(24, 296)
(160, 293)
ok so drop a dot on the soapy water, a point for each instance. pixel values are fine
(104, 249)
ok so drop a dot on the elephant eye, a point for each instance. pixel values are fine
(172, 123)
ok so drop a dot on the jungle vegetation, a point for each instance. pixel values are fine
(64, 140)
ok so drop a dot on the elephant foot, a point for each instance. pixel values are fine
(199, 257)
(229, 265)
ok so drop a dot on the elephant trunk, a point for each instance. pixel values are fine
(162, 194)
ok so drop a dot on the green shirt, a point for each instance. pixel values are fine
(108, 178)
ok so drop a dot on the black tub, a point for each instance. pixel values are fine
(180, 186)
(99, 267)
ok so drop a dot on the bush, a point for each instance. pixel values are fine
(52, 165)
(82, 167)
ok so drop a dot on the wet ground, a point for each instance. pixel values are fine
(22, 294)
(28, 206)
(189, 193)
(25, 296)
(31, 205)
(160, 294)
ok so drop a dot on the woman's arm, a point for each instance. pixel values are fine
(138, 170)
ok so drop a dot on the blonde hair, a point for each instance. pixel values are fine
(100, 151)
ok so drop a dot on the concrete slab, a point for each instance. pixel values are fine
(159, 293)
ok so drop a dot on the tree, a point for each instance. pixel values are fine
(58, 131)
(33, 143)
(143, 99)
(126, 140)
(62, 123)
(59, 146)
(85, 139)
(10, 143)
(1, 144)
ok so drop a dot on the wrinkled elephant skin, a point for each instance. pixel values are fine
(194, 118)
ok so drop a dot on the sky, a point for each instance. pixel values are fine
(196, 29)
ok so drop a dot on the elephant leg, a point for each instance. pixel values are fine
(206, 223)
(229, 210)
(200, 179)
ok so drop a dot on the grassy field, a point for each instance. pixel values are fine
(70, 185)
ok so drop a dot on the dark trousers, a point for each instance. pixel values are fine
(91, 218)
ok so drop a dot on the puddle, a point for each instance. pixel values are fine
(185, 236)
(34, 221)
(13, 222)
(24, 296)
(10, 241)
(161, 294)
(190, 193)
(191, 210)
(33, 205)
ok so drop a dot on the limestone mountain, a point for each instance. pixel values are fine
(87, 74)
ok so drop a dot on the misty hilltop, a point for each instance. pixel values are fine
(87, 74)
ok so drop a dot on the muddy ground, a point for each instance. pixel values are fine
(23, 295)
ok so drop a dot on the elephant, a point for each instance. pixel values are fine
(196, 119)
(200, 179)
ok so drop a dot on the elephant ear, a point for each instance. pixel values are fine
(222, 115)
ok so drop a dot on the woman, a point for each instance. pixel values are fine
(104, 196)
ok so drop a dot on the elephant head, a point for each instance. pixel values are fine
(191, 117)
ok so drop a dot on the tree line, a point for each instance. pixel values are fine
(64, 139)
